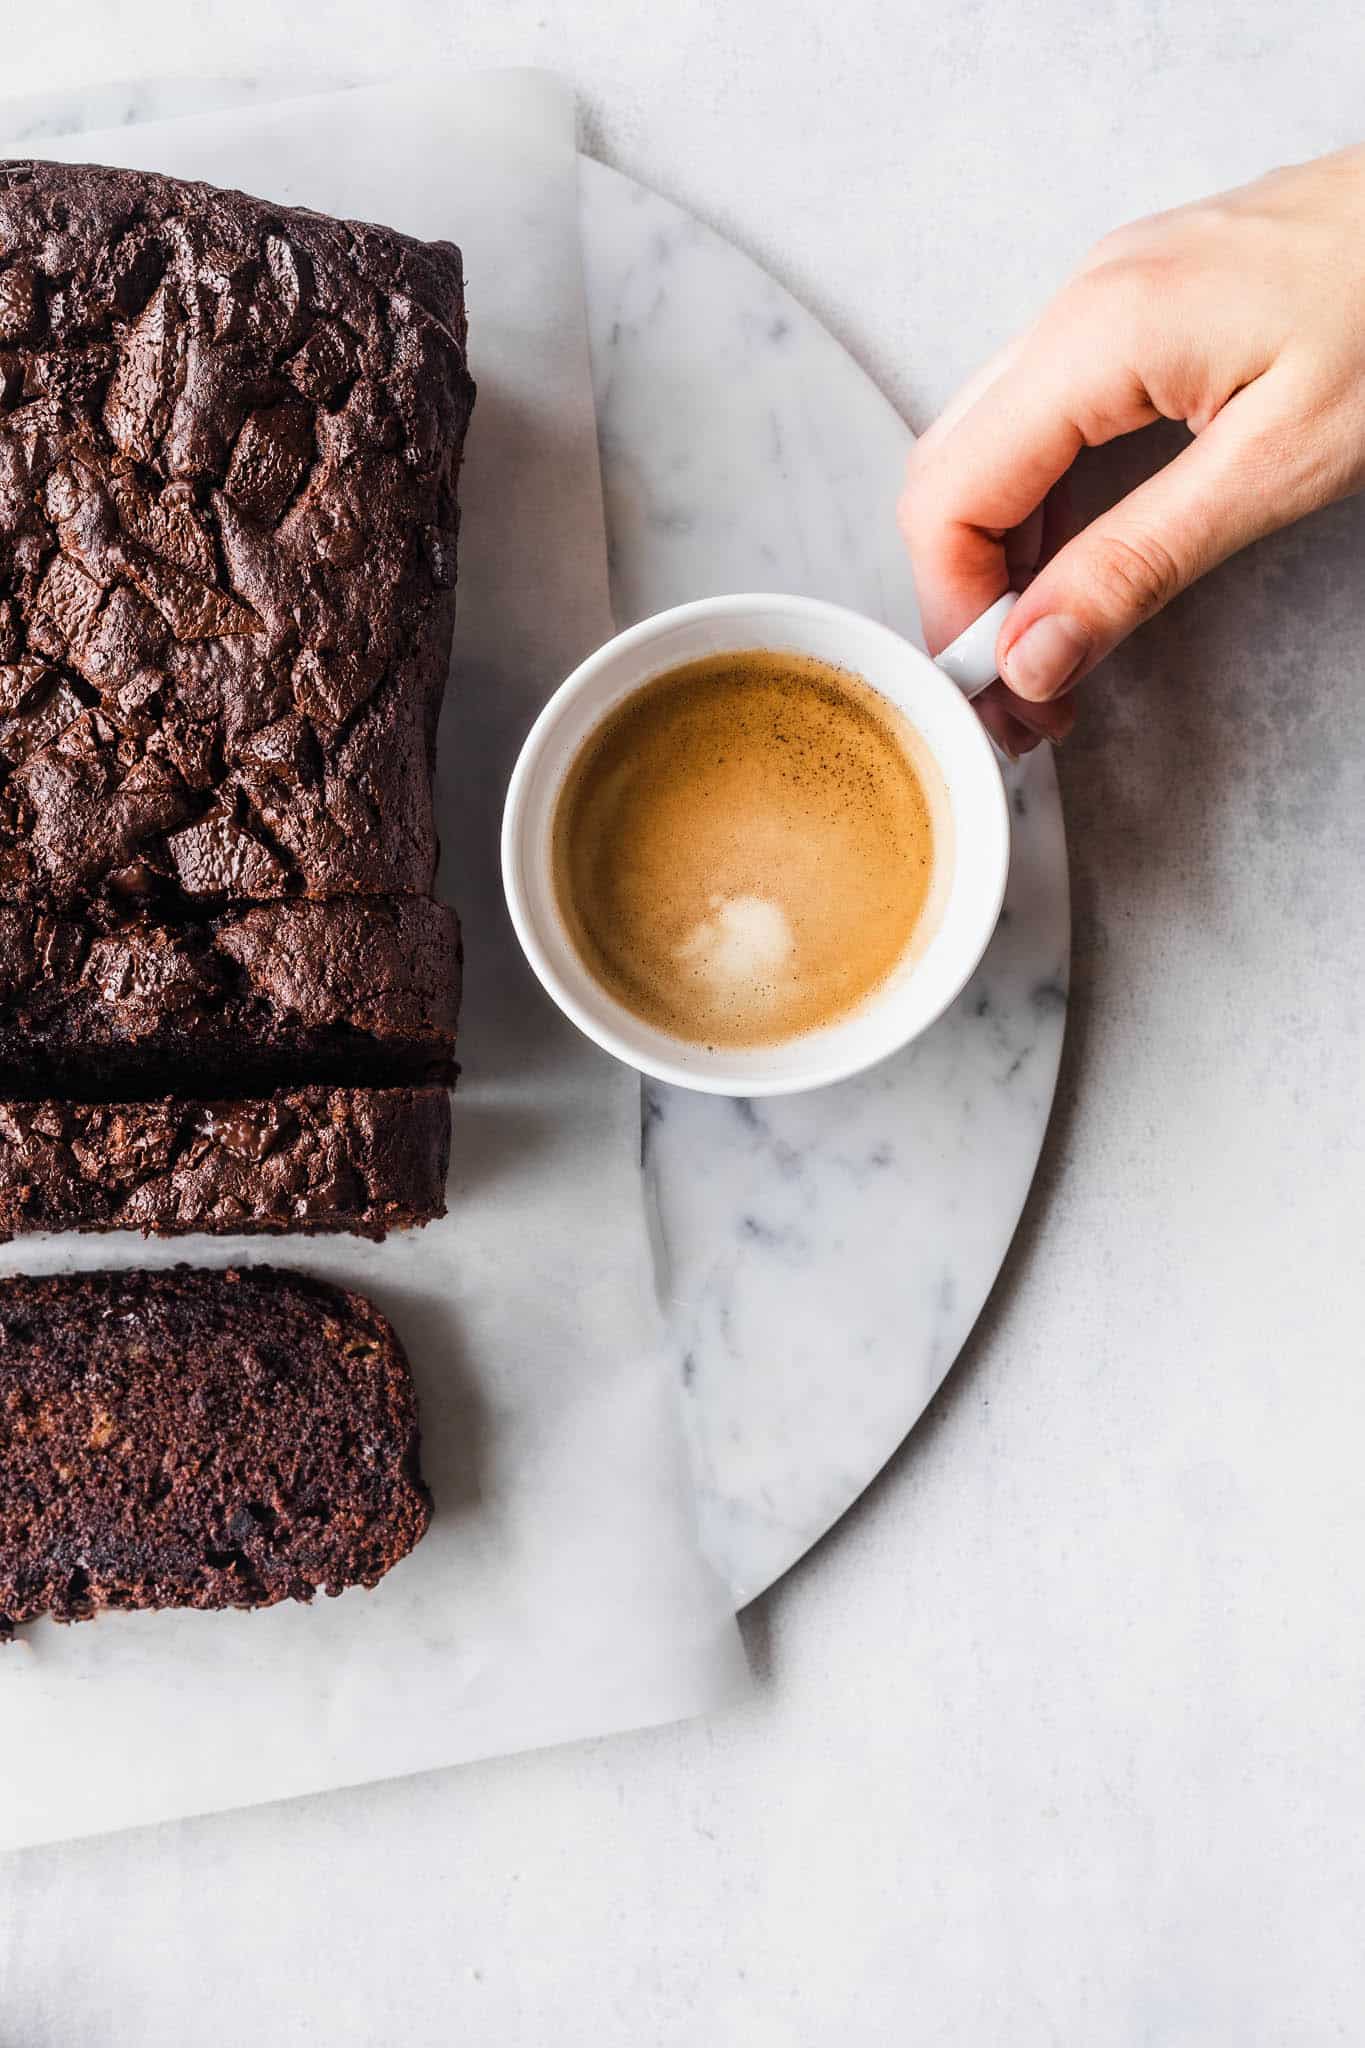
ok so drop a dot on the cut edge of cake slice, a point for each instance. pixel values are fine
(202, 1439)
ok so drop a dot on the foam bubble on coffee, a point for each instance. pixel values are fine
(740, 945)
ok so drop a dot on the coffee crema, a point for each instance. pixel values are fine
(749, 846)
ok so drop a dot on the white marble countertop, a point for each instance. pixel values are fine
(1058, 1737)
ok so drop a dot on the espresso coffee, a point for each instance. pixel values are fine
(749, 846)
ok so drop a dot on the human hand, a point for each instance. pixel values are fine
(1243, 316)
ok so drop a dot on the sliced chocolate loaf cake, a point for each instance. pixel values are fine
(230, 441)
(198, 1439)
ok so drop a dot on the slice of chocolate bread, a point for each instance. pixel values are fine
(361, 989)
(363, 1160)
(188, 1438)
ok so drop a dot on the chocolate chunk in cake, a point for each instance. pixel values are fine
(187, 1438)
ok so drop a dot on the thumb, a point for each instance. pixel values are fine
(1210, 501)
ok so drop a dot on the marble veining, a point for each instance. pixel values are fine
(821, 1258)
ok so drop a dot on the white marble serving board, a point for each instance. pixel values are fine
(820, 1259)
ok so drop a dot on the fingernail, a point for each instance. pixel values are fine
(1043, 659)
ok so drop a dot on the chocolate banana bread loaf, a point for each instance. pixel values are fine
(363, 1160)
(230, 440)
(230, 435)
(358, 989)
(188, 1438)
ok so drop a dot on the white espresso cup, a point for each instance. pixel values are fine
(932, 695)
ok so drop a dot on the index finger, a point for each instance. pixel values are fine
(1001, 446)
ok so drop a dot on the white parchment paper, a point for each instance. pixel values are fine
(560, 1591)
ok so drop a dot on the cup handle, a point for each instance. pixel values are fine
(970, 659)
